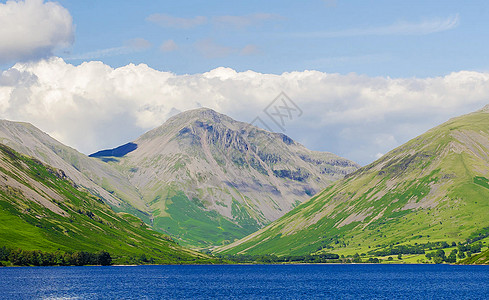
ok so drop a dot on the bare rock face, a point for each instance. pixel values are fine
(208, 179)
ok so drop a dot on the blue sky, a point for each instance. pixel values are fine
(368, 75)
(376, 38)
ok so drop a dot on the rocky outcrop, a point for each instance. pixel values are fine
(234, 170)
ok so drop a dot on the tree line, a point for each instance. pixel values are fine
(461, 252)
(272, 258)
(422, 248)
(19, 257)
(307, 259)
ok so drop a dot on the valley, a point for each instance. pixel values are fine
(208, 182)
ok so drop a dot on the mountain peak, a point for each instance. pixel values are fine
(190, 118)
(199, 114)
(201, 171)
(202, 112)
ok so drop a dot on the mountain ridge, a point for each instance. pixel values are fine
(215, 164)
(90, 173)
(41, 209)
(430, 189)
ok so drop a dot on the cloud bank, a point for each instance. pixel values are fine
(93, 106)
(33, 29)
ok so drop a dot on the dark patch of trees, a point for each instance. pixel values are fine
(373, 260)
(462, 251)
(422, 248)
(439, 256)
(478, 235)
(399, 250)
(272, 259)
(474, 248)
(19, 257)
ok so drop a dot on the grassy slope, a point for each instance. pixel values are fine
(189, 222)
(433, 188)
(479, 259)
(88, 225)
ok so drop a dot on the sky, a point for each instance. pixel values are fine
(359, 77)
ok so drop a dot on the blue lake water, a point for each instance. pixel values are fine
(247, 281)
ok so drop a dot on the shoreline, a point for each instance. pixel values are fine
(248, 264)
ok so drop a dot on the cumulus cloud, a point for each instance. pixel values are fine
(93, 106)
(33, 29)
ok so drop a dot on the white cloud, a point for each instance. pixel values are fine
(94, 106)
(399, 28)
(176, 22)
(33, 29)
(169, 46)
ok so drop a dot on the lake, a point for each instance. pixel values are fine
(247, 281)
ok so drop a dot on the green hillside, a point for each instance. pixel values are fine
(479, 259)
(431, 190)
(42, 209)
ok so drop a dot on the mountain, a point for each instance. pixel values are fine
(42, 209)
(207, 179)
(434, 188)
(99, 178)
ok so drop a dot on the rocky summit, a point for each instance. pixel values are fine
(207, 179)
